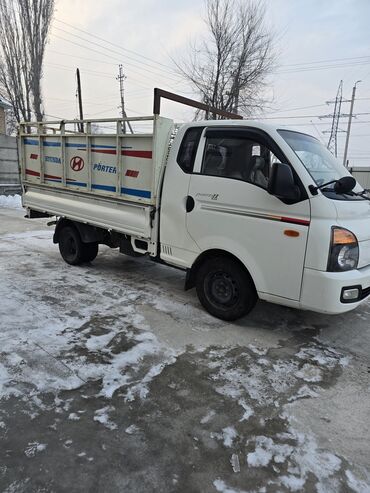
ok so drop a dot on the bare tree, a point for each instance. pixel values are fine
(24, 27)
(229, 68)
(10, 122)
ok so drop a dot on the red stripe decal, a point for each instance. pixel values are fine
(132, 172)
(32, 173)
(51, 177)
(293, 220)
(34, 156)
(142, 154)
(36, 173)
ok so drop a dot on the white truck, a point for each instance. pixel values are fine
(248, 210)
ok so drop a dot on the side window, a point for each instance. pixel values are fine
(188, 149)
(238, 158)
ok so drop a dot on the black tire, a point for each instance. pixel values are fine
(71, 247)
(225, 288)
(90, 251)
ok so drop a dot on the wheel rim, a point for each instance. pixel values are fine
(221, 289)
(69, 247)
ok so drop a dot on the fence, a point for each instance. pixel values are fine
(9, 169)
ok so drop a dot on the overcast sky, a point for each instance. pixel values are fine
(319, 43)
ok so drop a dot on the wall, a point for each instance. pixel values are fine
(9, 173)
(2, 121)
(362, 175)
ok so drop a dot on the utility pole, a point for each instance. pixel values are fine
(79, 95)
(335, 116)
(121, 77)
(349, 124)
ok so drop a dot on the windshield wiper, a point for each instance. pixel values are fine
(327, 189)
(341, 186)
(351, 193)
(314, 189)
(360, 194)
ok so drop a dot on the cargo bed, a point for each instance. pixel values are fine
(110, 180)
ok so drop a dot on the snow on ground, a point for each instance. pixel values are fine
(66, 328)
(267, 388)
(42, 329)
(11, 201)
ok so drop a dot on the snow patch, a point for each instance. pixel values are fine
(132, 429)
(34, 448)
(229, 434)
(11, 201)
(355, 484)
(235, 464)
(309, 373)
(260, 457)
(257, 350)
(304, 391)
(208, 417)
(222, 487)
(293, 483)
(248, 411)
(102, 416)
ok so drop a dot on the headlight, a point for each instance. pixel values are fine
(343, 253)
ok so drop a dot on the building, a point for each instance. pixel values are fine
(9, 169)
(362, 175)
(3, 107)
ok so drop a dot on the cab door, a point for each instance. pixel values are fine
(232, 210)
(177, 245)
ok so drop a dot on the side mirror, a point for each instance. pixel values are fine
(282, 184)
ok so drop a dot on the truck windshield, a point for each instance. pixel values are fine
(319, 162)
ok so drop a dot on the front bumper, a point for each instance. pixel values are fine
(322, 291)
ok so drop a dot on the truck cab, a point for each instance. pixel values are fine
(305, 247)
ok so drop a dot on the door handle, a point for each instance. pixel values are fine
(190, 203)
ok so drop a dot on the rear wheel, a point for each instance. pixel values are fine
(70, 245)
(225, 289)
(90, 251)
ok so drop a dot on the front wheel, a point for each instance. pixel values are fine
(225, 289)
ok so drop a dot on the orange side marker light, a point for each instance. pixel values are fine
(292, 233)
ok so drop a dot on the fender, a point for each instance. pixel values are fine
(191, 273)
(88, 234)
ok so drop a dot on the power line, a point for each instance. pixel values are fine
(137, 70)
(297, 117)
(114, 44)
(300, 64)
(319, 123)
(93, 72)
(324, 67)
(299, 108)
(308, 107)
(326, 61)
(120, 54)
(102, 112)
